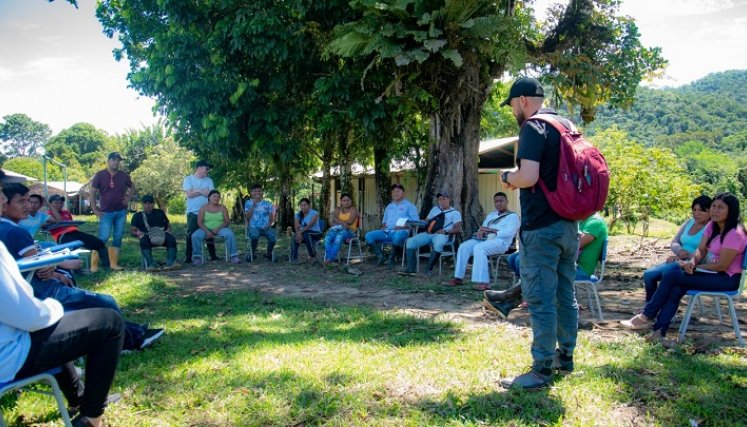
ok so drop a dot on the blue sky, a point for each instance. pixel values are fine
(57, 67)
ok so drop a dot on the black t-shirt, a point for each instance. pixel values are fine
(540, 142)
(155, 219)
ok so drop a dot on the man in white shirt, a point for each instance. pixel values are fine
(442, 224)
(197, 187)
(494, 237)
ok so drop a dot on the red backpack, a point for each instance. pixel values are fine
(583, 176)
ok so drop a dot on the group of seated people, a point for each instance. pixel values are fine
(49, 322)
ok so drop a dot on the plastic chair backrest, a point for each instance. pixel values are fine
(602, 260)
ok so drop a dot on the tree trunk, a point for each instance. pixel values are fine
(285, 214)
(324, 195)
(382, 177)
(237, 211)
(346, 163)
(162, 204)
(455, 142)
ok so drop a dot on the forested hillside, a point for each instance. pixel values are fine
(712, 110)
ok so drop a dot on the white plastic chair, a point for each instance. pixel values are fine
(46, 377)
(356, 239)
(717, 295)
(590, 285)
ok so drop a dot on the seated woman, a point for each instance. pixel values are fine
(683, 245)
(70, 233)
(306, 224)
(719, 268)
(213, 220)
(35, 335)
(343, 224)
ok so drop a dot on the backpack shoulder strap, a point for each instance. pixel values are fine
(554, 121)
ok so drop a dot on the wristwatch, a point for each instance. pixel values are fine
(504, 177)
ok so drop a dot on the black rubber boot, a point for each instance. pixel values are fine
(511, 294)
(148, 255)
(410, 262)
(432, 261)
(376, 247)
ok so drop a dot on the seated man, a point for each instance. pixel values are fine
(444, 222)
(142, 223)
(259, 217)
(70, 233)
(592, 234)
(37, 217)
(391, 232)
(56, 283)
(494, 237)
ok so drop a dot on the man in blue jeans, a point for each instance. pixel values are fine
(390, 232)
(115, 189)
(549, 243)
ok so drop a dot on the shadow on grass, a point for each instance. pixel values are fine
(496, 408)
(675, 387)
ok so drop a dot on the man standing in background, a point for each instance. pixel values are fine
(197, 187)
(115, 189)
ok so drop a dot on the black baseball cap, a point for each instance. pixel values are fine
(398, 185)
(115, 155)
(525, 86)
(148, 199)
(442, 194)
(55, 197)
(201, 163)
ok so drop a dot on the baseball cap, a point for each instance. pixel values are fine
(148, 199)
(398, 185)
(525, 86)
(201, 163)
(115, 155)
(442, 194)
(55, 197)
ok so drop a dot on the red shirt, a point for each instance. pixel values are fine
(65, 215)
(112, 189)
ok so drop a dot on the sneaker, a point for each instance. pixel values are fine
(637, 323)
(197, 261)
(296, 261)
(235, 260)
(172, 267)
(455, 282)
(151, 335)
(562, 362)
(268, 257)
(533, 379)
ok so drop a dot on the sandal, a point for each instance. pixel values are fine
(637, 323)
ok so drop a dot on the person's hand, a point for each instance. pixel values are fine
(683, 254)
(480, 233)
(441, 231)
(45, 273)
(64, 279)
(672, 258)
(687, 266)
(210, 234)
(299, 237)
(72, 264)
(509, 186)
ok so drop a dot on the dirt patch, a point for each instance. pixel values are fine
(621, 292)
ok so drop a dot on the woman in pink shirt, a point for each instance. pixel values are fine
(721, 252)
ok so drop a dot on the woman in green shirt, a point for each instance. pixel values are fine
(213, 221)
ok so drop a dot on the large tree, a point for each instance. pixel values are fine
(80, 146)
(23, 136)
(445, 56)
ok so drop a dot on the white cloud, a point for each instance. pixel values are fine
(6, 74)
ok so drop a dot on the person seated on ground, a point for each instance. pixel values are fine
(716, 265)
(683, 245)
(37, 216)
(493, 238)
(152, 228)
(37, 335)
(70, 233)
(390, 232)
(443, 223)
(259, 217)
(307, 231)
(213, 220)
(592, 234)
(343, 224)
(58, 283)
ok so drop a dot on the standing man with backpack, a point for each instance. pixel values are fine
(549, 234)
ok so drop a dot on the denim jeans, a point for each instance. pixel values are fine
(112, 222)
(395, 237)
(269, 234)
(548, 269)
(71, 298)
(514, 264)
(96, 333)
(421, 239)
(199, 236)
(309, 239)
(653, 276)
(333, 242)
(675, 284)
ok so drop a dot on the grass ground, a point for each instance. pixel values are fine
(238, 357)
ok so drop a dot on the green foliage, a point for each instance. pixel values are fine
(162, 172)
(644, 182)
(22, 135)
(497, 121)
(80, 147)
(134, 143)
